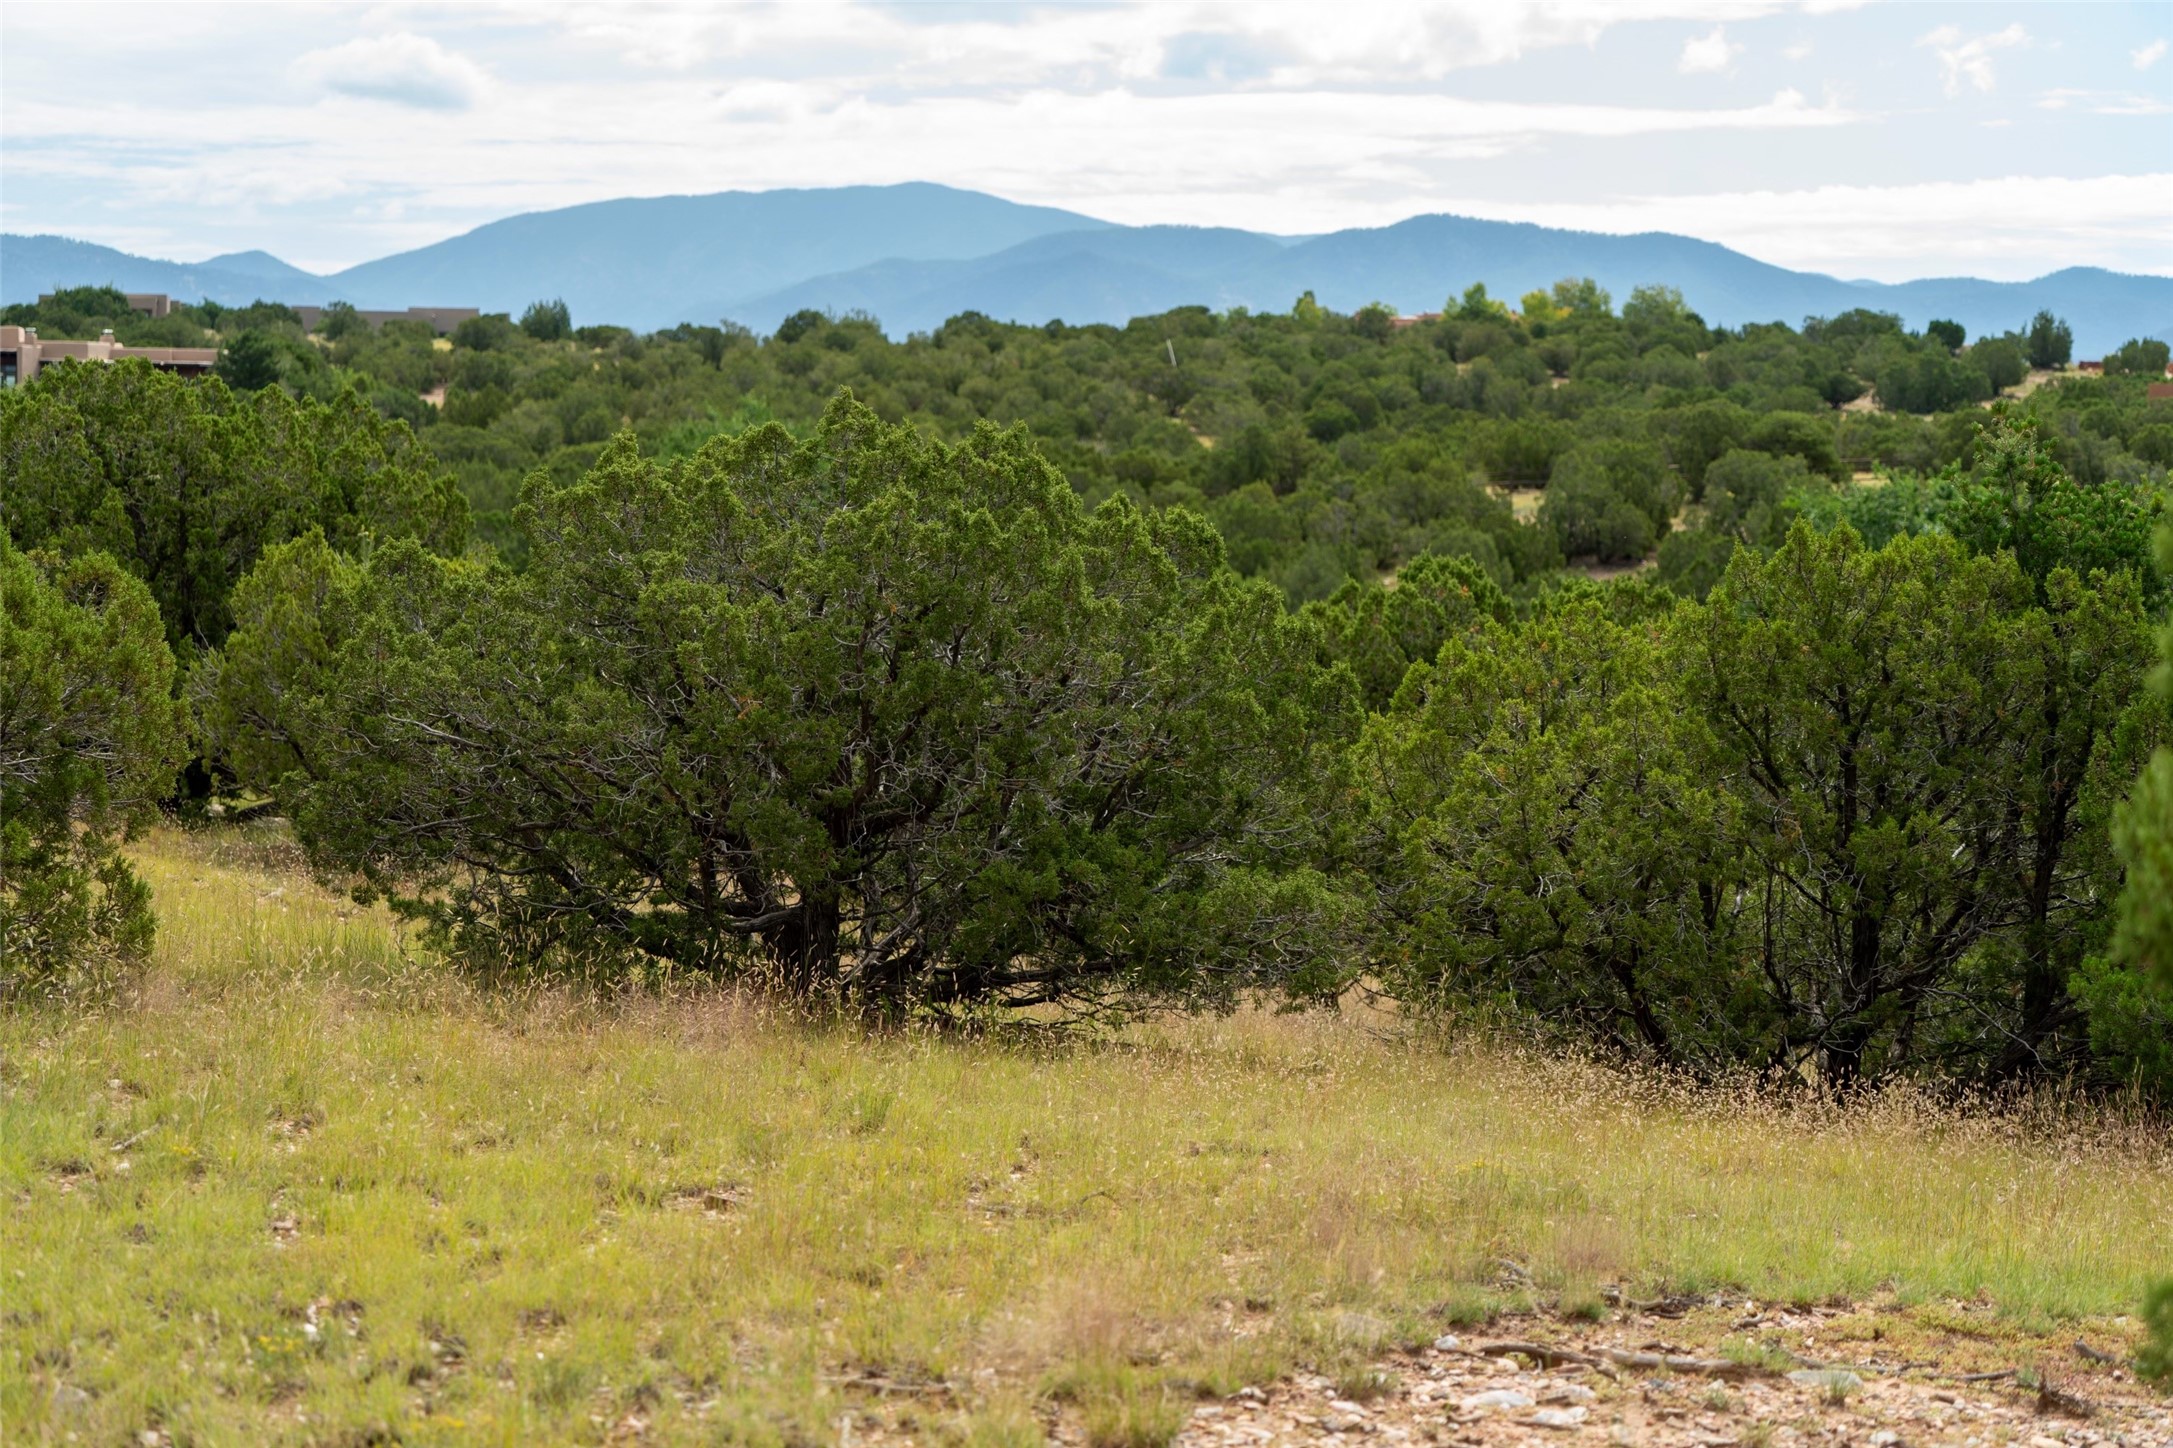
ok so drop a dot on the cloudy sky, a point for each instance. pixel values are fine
(1869, 140)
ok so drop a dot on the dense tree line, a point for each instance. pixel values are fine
(187, 483)
(1234, 668)
(1323, 447)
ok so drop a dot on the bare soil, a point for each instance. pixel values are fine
(1921, 1375)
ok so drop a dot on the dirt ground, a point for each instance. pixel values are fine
(1886, 1378)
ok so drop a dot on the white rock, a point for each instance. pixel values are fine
(1495, 1398)
(1448, 1342)
(1558, 1417)
(1571, 1393)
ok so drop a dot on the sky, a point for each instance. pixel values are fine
(1875, 140)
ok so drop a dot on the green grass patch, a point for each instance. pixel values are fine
(304, 1185)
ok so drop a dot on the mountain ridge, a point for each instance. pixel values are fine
(916, 253)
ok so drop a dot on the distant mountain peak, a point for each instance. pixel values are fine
(914, 253)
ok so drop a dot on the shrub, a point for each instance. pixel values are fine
(2155, 1362)
(2139, 356)
(90, 734)
(547, 321)
(1691, 563)
(1665, 828)
(1591, 520)
(2001, 361)
(1380, 632)
(1745, 493)
(1634, 471)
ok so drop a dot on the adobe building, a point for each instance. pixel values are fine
(22, 354)
(148, 304)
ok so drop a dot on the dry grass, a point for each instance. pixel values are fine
(305, 1187)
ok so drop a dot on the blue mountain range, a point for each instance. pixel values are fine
(916, 254)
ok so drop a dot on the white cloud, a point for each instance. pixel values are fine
(2149, 55)
(2003, 228)
(404, 68)
(1288, 118)
(1970, 59)
(2104, 103)
(1340, 157)
(1311, 44)
(1705, 54)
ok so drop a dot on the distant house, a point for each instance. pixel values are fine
(1413, 321)
(2159, 392)
(2094, 367)
(149, 304)
(22, 355)
(440, 319)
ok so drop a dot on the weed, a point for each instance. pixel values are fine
(1363, 1384)
(1124, 1408)
(1583, 1307)
(1752, 1353)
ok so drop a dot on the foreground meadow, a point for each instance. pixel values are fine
(300, 1184)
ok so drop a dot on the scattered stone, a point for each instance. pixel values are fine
(1448, 1342)
(1467, 1398)
(67, 1398)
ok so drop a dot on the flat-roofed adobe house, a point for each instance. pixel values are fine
(149, 304)
(23, 354)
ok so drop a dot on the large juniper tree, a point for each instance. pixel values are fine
(877, 715)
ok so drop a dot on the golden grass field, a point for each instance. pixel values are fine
(298, 1183)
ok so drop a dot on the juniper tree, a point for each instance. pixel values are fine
(863, 713)
(90, 734)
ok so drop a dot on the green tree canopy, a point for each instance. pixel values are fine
(90, 735)
(547, 321)
(186, 482)
(250, 362)
(864, 713)
(1950, 335)
(2050, 342)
